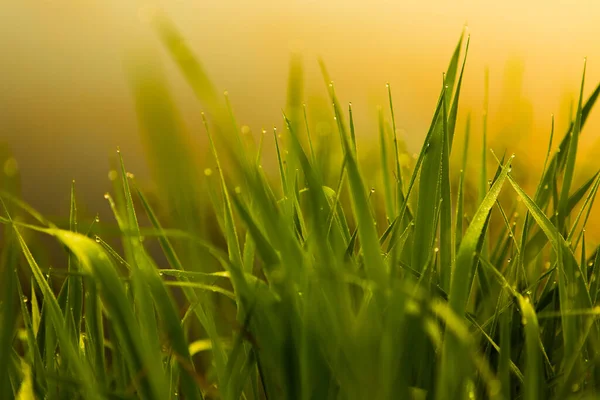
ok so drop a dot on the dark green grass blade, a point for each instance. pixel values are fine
(9, 308)
(573, 293)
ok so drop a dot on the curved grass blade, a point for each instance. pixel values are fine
(573, 293)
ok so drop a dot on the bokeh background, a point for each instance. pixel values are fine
(66, 103)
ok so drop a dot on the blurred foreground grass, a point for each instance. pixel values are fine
(314, 285)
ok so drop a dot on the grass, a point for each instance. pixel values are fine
(307, 286)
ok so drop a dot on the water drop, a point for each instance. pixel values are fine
(509, 260)
(372, 190)
(160, 273)
(510, 235)
(25, 299)
(437, 249)
(97, 219)
(98, 239)
(208, 172)
(106, 196)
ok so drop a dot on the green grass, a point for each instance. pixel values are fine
(311, 285)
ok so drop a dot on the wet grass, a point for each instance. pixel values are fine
(307, 286)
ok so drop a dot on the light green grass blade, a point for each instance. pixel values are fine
(147, 273)
(446, 238)
(571, 156)
(55, 317)
(434, 182)
(169, 147)
(185, 59)
(139, 355)
(429, 189)
(400, 198)
(455, 101)
(558, 161)
(231, 234)
(450, 381)
(383, 154)
(538, 240)
(75, 285)
(460, 196)
(483, 180)
(373, 261)
(533, 367)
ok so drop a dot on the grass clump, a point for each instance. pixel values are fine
(308, 288)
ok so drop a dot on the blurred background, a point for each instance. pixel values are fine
(66, 103)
